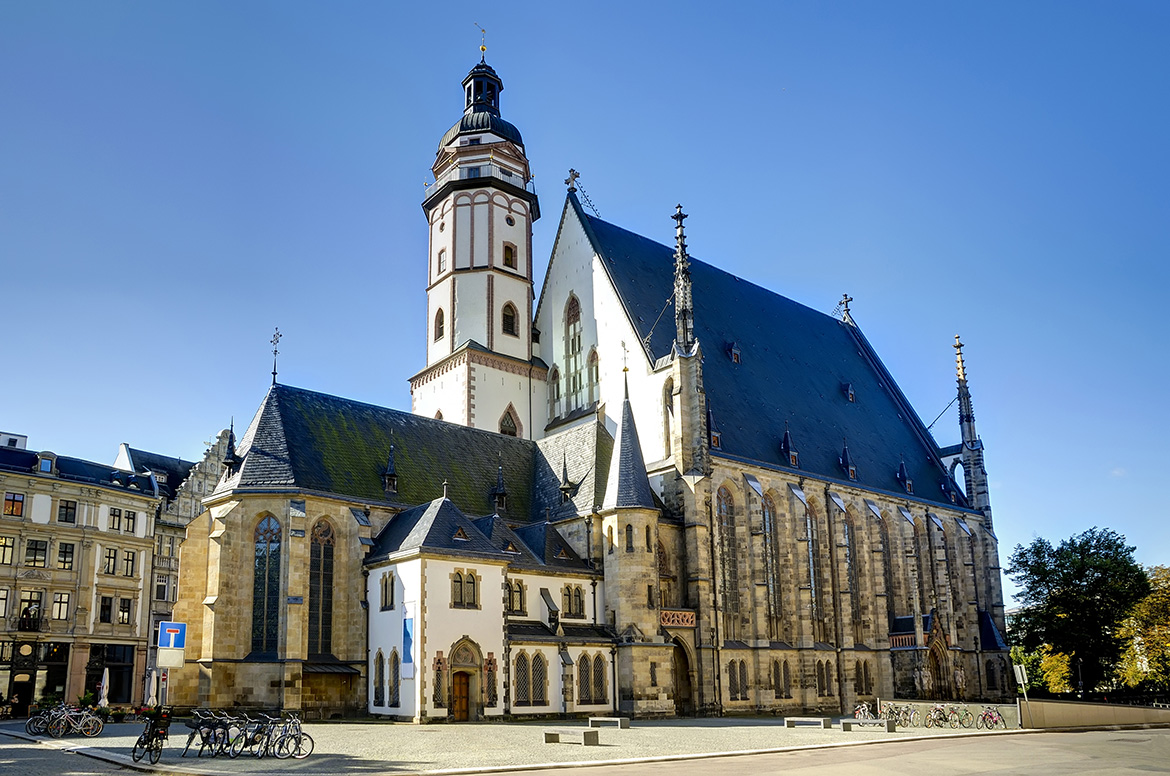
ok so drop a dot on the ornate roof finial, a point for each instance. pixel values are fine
(684, 309)
(959, 366)
(571, 181)
(275, 342)
(444, 489)
(482, 42)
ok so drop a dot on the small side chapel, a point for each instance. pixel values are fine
(654, 489)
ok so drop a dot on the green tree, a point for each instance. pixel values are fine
(1074, 597)
(1146, 634)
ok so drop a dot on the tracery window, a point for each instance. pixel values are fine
(266, 585)
(508, 425)
(379, 680)
(851, 569)
(729, 554)
(522, 681)
(395, 680)
(539, 680)
(490, 672)
(321, 589)
(516, 597)
(574, 385)
(554, 393)
(732, 680)
(743, 681)
(594, 376)
(599, 666)
(457, 589)
(584, 680)
(772, 563)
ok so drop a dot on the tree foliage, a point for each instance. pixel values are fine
(1146, 634)
(1074, 597)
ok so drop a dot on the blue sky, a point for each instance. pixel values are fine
(177, 179)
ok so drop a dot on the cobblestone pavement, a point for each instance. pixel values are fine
(388, 748)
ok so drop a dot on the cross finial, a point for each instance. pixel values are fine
(959, 366)
(571, 181)
(625, 357)
(482, 42)
(275, 352)
(845, 300)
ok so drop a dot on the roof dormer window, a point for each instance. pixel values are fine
(733, 353)
(717, 440)
(847, 389)
(45, 463)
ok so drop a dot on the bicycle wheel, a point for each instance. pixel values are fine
(915, 718)
(139, 748)
(155, 751)
(58, 727)
(91, 726)
(190, 738)
(35, 725)
(237, 746)
(284, 747)
(979, 721)
(966, 718)
(304, 746)
(1000, 722)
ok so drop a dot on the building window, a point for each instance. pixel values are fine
(7, 547)
(379, 680)
(442, 258)
(539, 680)
(387, 591)
(30, 610)
(490, 670)
(439, 325)
(110, 565)
(14, 504)
(36, 553)
(106, 610)
(160, 587)
(509, 255)
(584, 681)
(508, 425)
(554, 392)
(395, 683)
(522, 682)
(629, 538)
(321, 590)
(439, 692)
(732, 681)
(46, 465)
(65, 556)
(729, 555)
(464, 590)
(573, 381)
(60, 606)
(609, 538)
(123, 611)
(457, 589)
(572, 601)
(772, 560)
(131, 522)
(67, 511)
(115, 519)
(599, 666)
(653, 674)
(128, 563)
(516, 597)
(3, 602)
(266, 585)
(743, 682)
(509, 319)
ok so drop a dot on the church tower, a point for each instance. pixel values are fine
(480, 209)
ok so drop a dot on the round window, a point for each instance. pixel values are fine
(511, 221)
(442, 225)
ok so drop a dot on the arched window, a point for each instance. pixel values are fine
(777, 686)
(509, 319)
(554, 393)
(629, 538)
(584, 681)
(509, 256)
(439, 325)
(609, 538)
(810, 533)
(828, 677)
(578, 602)
(820, 678)
(649, 544)
(733, 680)
(457, 589)
(772, 567)
(539, 680)
(379, 680)
(743, 681)
(574, 384)
(594, 376)
(321, 590)
(567, 600)
(469, 597)
(729, 554)
(787, 681)
(266, 586)
(508, 425)
(395, 677)
(522, 681)
(599, 665)
(858, 679)
(439, 415)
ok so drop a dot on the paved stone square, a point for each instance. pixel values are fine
(378, 747)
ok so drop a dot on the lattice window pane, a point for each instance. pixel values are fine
(521, 681)
(395, 676)
(584, 681)
(539, 680)
(599, 694)
(733, 681)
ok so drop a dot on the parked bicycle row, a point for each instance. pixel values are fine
(954, 715)
(62, 720)
(220, 732)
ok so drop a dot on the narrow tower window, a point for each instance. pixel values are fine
(509, 319)
(510, 256)
(439, 325)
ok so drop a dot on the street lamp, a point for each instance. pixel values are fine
(1080, 681)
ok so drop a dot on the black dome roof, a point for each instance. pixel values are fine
(482, 122)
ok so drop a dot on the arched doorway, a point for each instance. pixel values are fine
(466, 664)
(684, 703)
(936, 667)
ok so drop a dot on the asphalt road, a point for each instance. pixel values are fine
(28, 758)
(1101, 753)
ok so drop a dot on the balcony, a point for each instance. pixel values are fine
(477, 171)
(28, 623)
(903, 641)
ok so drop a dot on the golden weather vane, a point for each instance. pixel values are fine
(482, 40)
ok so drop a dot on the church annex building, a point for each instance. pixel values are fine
(594, 504)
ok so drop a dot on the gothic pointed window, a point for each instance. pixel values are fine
(599, 673)
(772, 561)
(539, 680)
(729, 554)
(508, 425)
(321, 589)
(667, 415)
(554, 393)
(266, 586)
(379, 680)
(439, 325)
(594, 376)
(509, 320)
(457, 589)
(733, 680)
(469, 595)
(522, 682)
(743, 681)
(395, 680)
(584, 683)
(574, 385)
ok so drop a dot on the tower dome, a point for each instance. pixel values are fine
(481, 111)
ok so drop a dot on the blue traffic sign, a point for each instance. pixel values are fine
(172, 635)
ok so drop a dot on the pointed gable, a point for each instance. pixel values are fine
(438, 527)
(627, 486)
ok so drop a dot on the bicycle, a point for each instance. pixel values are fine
(861, 711)
(937, 716)
(256, 736)
(990, 718)
(293, 742)
(214, 730)
(73, 720)
(150, 741)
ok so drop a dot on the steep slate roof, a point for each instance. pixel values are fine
(795, 362)
(627, 485)
(314, 441)
(176, 469)
(433, 527)
(550, 547)
(584, 451)
(75, 470)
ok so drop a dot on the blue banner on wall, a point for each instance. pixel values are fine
(408, 640)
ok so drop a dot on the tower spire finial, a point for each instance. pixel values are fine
(482, 42)
(571, 181)
(959, 365)
(684, 309)
(275, 352)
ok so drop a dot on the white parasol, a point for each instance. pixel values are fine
(104, 697)
(151, 688)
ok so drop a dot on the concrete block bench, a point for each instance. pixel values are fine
(875, 722)
(825, 723)
(587, 736)
(622, 723)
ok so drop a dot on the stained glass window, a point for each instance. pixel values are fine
(266, 586)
